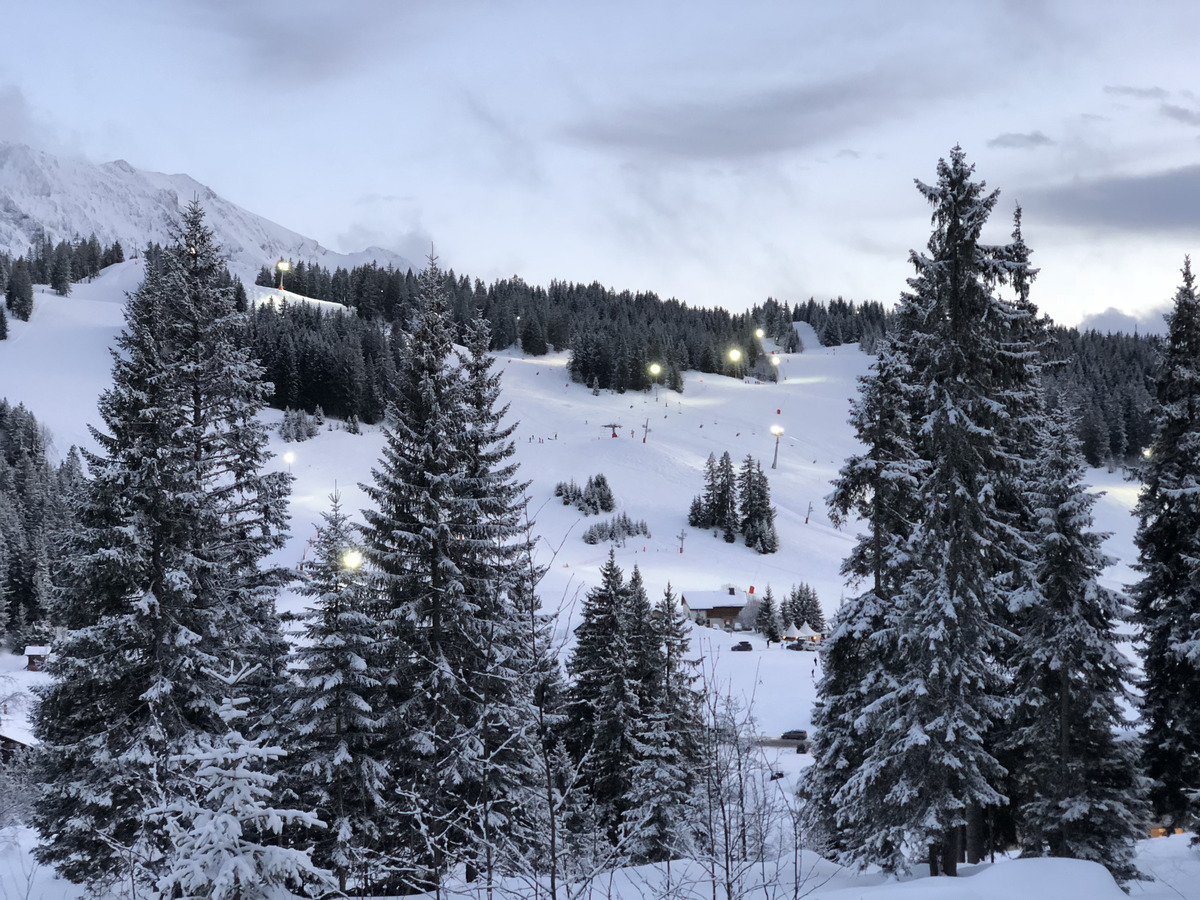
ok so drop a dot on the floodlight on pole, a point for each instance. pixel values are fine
(776, 430)
(655, 370)
(289, 458)
(283, 266)
(758, 333)
(735, 354)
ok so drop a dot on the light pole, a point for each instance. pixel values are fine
(655, 370)
(283, 266)
(775, 363)
(776, 430)
(289, 458)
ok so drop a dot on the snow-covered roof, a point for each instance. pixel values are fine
(36, 650)
(713, 599)
(805, 632)
(791, 631)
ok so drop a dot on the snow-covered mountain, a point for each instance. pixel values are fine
(115, 201)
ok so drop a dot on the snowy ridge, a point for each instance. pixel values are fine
(69, 197)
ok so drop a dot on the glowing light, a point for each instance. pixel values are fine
(735, 354)
(655, 369)
(1147, 453)
(775, 360)
(777, 430)
(289, 457)
(759, 333)
(352, 559)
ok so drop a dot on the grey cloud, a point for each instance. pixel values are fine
(18, 124)
(1157, 202)
(1150, 321)
(1014, 140)
(752, 125)
(1181, 114)
(303, 43)
(1141, 93)
(510, 146)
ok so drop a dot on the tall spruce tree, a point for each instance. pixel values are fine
(338, 759)
(929, 764)
(445, 543)
(515, 665)
(663, 784)
(166, 580)
(603, 715)
(878, 486)
(767, 621)
(1168, 594)
(1082, 794)
(18, 293)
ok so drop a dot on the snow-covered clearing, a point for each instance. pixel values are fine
(59, 362)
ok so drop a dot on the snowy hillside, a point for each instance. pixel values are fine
(115, 201)
(58, 362)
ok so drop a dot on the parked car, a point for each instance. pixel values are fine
(796, 734)
(743, 645)
(802, 645)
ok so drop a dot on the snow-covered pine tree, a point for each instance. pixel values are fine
(1020, 434)
(804, 607)
(1082, 793)
(879, 486)
(707, 515)
(336, 715)
(750, 511)
(662, 792)
(18, 293)
(1168, 594)
(928, 763)
(420, 507)
(766, 538)
(177, 522)
(225, 831)
(645, 643)
(498, 572)
(766, 622)
(725, 503)
(603, 718)
(444, 540)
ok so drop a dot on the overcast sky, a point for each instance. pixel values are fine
(717, 152)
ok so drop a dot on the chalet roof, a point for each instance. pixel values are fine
(805, 632)
(714, 599)
(36, 650)
(791, 632)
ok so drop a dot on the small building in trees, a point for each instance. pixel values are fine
(36, 657)
(719, 609)
(12, 744)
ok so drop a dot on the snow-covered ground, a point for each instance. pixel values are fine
(59, 362)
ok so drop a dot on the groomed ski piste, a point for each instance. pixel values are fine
(58, 363)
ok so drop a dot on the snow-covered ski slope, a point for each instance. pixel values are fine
(59, 361)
